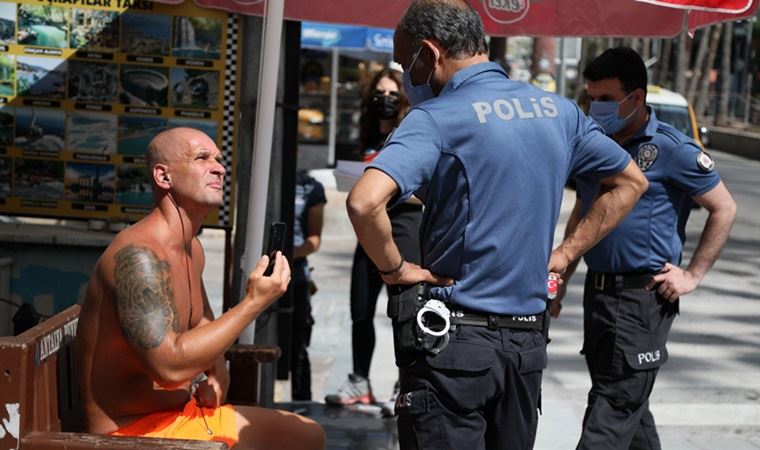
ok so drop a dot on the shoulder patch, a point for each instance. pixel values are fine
(646, 156)
(705, 161)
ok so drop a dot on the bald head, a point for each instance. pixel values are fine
(173, 145)
(167, 144)
(453, 23)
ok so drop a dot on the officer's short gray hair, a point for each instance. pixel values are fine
(453, 23)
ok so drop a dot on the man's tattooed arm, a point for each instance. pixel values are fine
(143, 297)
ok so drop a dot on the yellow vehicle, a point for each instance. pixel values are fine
(673, 109)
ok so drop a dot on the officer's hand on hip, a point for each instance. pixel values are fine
(411, 273)
(674, 282)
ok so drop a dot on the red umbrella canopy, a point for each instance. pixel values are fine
(726, 6)
(646, 18)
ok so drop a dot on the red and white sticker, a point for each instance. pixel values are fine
(552, 286)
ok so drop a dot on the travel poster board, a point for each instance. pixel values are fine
(85, 85)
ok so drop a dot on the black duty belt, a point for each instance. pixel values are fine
(631, 280)
(493, 321)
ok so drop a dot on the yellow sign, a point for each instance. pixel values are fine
(85, 85)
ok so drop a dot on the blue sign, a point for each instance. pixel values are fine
(380, 39)
(348, 37)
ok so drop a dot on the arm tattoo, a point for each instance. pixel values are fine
(143, 296)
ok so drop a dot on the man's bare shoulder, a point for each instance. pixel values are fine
(131, 237)
(135, 274)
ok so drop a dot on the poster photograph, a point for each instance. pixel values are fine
(133, 186)
(193, 88)
(94, 31)
(144, 85)
(7, 75)
(41, 77)
(93, 82)
(6, 170)
(90, 182)
(40, 129)
(43, 25)
(6, 126)
(145, 34)
(38, 179)
(197, 37)
(7, 23)
(91, 132)
(135, 132)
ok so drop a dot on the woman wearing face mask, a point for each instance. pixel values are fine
(383, 107)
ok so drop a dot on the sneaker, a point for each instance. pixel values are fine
(355, 390)
(389, 408)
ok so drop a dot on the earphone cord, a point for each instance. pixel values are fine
(187, 261)
(190, 291)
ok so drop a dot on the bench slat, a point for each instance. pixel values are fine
(81, 441)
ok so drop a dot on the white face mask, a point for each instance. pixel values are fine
(420, 93)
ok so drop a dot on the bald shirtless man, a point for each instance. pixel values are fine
(146, 330)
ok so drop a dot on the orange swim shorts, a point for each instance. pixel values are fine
(187, 424)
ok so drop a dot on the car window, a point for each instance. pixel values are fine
(676, 116)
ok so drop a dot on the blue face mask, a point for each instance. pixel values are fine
(607, 115)
(420, 93)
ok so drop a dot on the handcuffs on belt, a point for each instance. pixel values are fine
(433, 324)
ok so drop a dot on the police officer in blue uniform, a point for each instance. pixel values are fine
(489, 158)
(634, 282)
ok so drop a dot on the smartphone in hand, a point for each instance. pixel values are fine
(276, 243)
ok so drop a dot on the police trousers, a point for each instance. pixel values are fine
(625, 332)
(483, 391)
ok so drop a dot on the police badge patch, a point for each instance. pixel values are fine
(646, 156)
(705, 162)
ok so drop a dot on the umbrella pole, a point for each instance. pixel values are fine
(562, 68)
(333, 129)
(262, 143)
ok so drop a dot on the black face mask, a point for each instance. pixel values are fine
(384, 106)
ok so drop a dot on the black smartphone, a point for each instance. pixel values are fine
(276, 243)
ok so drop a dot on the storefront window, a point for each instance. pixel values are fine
(355, 69)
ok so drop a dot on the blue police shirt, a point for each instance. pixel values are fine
(654, 231)
(489, 157)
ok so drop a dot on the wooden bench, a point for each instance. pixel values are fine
(40, 407)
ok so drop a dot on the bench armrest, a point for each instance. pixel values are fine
(80, 441)
(245, 370)
(242, 353)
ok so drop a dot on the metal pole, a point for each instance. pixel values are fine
(332, 132)
(562, 67)
(748, 100)
(262, 143)
(747, 62)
